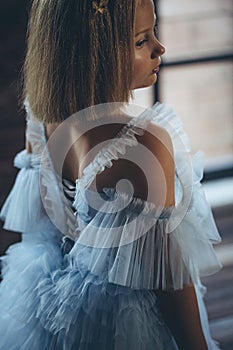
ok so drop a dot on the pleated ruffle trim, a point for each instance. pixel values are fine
(130, 242)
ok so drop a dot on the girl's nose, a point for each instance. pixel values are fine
(158, 49)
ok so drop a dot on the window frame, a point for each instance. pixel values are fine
(212, 173)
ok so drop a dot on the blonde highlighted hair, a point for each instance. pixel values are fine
(77, 57)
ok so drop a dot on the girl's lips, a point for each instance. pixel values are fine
(155, 70)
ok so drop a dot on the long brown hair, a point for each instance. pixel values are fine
(77, 57)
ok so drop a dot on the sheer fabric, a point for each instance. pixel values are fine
(98, 290)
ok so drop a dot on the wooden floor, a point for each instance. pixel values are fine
(219, 297)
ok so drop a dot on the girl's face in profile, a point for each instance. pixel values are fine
(148, 50)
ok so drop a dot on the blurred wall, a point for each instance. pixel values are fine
(13, 19)
(201, 92)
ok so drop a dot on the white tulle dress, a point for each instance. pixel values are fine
(85, 278)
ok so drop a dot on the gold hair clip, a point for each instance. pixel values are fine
(101, 7)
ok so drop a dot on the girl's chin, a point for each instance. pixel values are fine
(147, 84)
(144, 86)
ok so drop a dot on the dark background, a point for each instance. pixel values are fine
(13, 20)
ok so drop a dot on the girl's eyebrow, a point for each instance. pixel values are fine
(146, 30)
(143, 31)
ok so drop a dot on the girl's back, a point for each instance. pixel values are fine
(156, 163)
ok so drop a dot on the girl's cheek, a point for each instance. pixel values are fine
(139, 62)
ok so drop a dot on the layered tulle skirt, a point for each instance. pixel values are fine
(48, 302)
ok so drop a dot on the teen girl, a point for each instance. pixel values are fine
(101, 266)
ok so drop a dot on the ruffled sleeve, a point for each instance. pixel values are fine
(130, 242)
(134, 246)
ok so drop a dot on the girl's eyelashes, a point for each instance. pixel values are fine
(140, 43)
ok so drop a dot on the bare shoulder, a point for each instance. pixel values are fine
(158, 141)
(150, 173)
